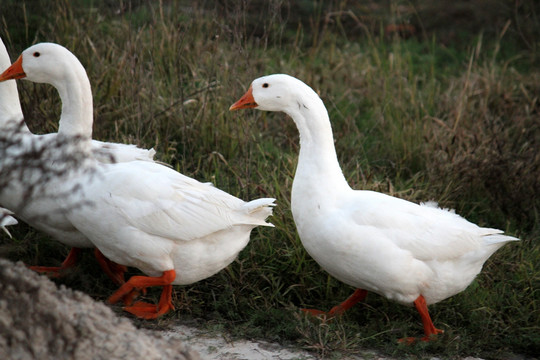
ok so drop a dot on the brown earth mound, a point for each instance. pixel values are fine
(39, 320)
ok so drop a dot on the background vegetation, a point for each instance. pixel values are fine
(428, 100)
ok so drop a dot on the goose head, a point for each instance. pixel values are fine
(278, 92)
(281, 92)
(55, 65)
(43, 63)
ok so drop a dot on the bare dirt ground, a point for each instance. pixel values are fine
(40, 320)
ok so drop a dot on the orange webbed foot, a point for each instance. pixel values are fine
(135, 285)
(149, 311)
(143, 310)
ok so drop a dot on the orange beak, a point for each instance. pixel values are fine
(247, 101)
(15, 71)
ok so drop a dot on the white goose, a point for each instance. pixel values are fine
(409, 253)
(141, 214)
(36, 212)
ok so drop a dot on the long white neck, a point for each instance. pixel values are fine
(77, 108)
(318, 172)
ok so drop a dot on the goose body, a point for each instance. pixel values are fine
(141, 214)
(409, 253)
(417, 250)
(156, 219)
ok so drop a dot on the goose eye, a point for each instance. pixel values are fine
(265, 85)
(36, 54)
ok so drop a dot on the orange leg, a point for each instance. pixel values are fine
(358, 295)
(136, 284)
(429, 328)
(55, 271)
(113, 270)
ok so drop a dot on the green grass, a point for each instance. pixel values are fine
(417, 118)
